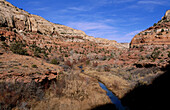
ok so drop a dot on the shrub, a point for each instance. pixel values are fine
(4, 44)
(169, 54)
(154, 24)
(17, 48)
(141, 49)
(107, 68)
(104, 58)
(160, 33)
(15, 94)
(54, 61)
(87, 62)
(162, 30)
(36, 53)
(34, 66)
(155, 54)
(66, 55)
(142, 58)
(50, 49)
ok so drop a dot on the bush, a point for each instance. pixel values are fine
(34, 66)
(54, 61)
(162, 30)
(4, 44)
(154, 24)
(107, 68)
(169, 54)
(104, 58)
(14, 94)
(37, 54)
(87, 62)
(66, 55)
(148, 56)
(17, 48)
(155, 54)
(141, 49)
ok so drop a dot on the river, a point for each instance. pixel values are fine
(112, 97)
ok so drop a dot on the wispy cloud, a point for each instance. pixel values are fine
(122, 1)
(153, 2)
(88, 7)
(42, 9)
(78, 8)
(86, 26)
(127, 37)
(95, 29)
(133, 33)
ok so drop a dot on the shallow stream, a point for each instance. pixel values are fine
(112, 97)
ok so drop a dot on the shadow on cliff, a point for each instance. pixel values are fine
(150, 97)
(109, 106)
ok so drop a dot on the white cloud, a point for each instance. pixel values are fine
(153, 2)
(95, 29)
(86, 26)
(133, 33)
(42, 9)
(79, 8)
(122, 1)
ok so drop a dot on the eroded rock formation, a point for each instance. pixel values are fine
(22, 21)
(158, 34)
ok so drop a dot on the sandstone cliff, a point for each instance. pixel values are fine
(14, 17)
(21, 21)
(158, 34)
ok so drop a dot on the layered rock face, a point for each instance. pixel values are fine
(11, 16)
(22, 21)
(159, 34)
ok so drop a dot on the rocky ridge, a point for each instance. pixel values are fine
(158, 34)
(22, 21)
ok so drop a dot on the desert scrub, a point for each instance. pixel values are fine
(54, 61)
(17, 48)
(169, 54)
(4, 44)
(34, 66)
(107, 68)
(14, 94)
(87, 62)
(155, 55)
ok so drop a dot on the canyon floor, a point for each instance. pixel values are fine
(35, 83)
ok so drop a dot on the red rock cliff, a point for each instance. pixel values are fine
(158, 34)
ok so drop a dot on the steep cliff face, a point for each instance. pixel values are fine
(21, 22)
(13, 17)
(158, 34)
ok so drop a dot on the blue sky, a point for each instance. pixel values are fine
(116, 20)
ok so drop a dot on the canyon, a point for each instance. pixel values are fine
(44, 65)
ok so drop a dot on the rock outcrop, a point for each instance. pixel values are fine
(13, 17)
(22, 21)
(158, 34)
